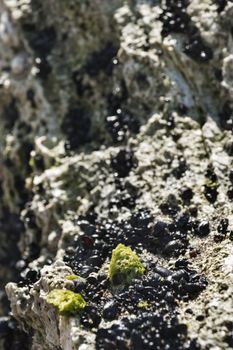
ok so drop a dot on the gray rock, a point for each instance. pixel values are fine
(66, 67)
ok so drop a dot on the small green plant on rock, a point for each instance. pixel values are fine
(125, 265)
(67, 302)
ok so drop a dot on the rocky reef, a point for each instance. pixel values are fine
(116, 175)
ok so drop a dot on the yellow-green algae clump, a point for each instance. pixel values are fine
(143, 304)
(125, 265)
(71, 277)
(67, 302)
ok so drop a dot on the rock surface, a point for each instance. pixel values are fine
(116, 127)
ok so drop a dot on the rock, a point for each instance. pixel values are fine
(116, 129)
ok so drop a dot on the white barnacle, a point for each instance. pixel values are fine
(19, 64)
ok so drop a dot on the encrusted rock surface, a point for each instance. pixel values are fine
(116, 127)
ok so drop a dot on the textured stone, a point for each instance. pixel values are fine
(105, 109)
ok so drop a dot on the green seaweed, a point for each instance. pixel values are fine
(71, 277)
(125, 265)
(143, 304)
(67, 302)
